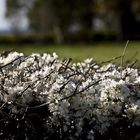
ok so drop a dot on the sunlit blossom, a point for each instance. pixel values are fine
(101, 95)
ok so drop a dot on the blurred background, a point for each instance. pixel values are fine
(72, 28)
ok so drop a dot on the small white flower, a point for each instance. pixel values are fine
(88, 61)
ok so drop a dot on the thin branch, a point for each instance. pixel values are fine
(64, 85)
(72, 69)
(110, 60)
(123, 54)
(26, 109)
(75, 93)
(3, 105)
(18, 58)
(133, 63)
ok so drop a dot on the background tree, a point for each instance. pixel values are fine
(126, 13)
(43, 20)
(53, 16)
(17, 10)
(58, 17)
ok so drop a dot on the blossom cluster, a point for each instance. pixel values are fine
(82, 99)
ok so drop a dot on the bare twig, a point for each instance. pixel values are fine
(18, 58)
(123, 54)
(3, 105)
(108, 61)
(75, 93)
(26, 109)
(133, 63)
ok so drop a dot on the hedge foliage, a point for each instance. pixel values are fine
(43, 98)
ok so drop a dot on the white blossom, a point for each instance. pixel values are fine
(77, 92)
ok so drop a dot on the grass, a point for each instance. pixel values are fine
(99, 51)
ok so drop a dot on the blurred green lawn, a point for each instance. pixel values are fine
(98, 51)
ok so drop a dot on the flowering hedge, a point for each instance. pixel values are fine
(42, 97)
